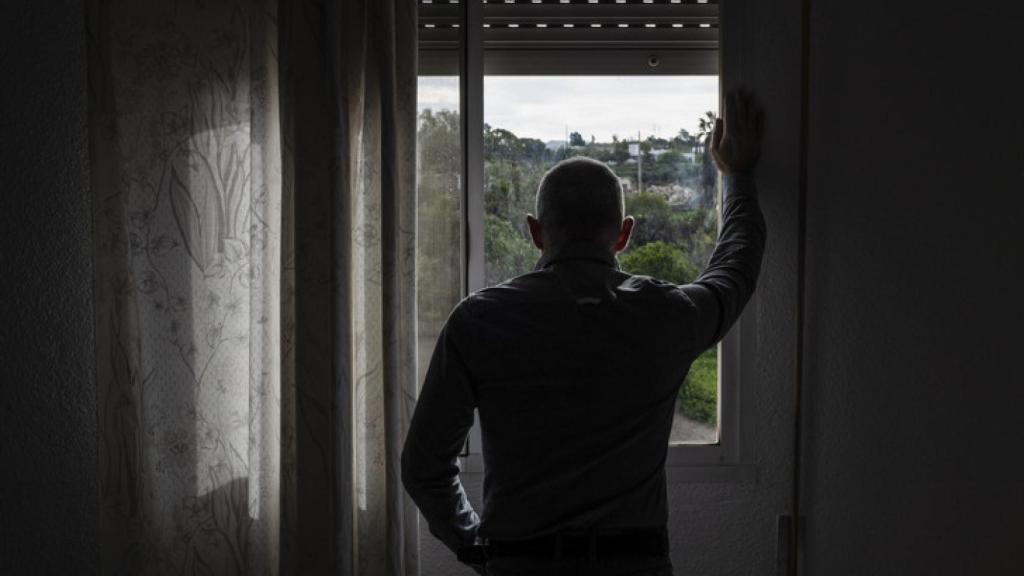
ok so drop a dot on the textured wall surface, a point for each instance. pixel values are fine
(913, 400)
(47, 394)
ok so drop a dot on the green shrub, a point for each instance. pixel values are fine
(659, 260)
(698, 396)
(506, 252)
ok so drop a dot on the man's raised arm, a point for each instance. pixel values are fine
(726, 284)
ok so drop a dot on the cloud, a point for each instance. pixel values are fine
(546, 107)
(438, 92)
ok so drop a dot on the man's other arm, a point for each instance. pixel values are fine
(727, 283)
(440, 423)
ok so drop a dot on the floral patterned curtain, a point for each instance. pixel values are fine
(252, 170)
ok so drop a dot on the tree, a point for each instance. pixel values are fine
(437, 139)
(576, 139)
(698, 396)
(655, 220)
(705, 126)
(684, 139)
(506, 252)
(709, 175)
(665, 169)
(500, 144)
(437, 214)
(658, 260)
(647, 204)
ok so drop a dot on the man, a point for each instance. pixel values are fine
(574, 369)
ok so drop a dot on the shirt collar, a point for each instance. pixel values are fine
(578, 251)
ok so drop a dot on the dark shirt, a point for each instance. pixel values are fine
(574, 369)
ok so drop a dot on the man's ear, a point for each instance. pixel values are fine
(624, 233)
(536, 232)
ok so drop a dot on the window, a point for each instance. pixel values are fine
(439, 219)
(526, 67)
(649, 130)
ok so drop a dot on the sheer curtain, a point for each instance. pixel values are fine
(253, 188)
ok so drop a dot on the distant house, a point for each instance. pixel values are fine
(690, 156)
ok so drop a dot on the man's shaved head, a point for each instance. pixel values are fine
(580, 200)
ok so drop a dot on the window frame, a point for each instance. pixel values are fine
(464, 51)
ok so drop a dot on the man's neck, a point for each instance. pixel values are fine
(577, 251)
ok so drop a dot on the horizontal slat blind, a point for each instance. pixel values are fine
(559, 24)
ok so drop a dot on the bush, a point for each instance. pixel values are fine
(658, 260)
(698, 396)
(506, 252)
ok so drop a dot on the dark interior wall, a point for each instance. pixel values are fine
(914, 299)
(912, 405)
(48, 514)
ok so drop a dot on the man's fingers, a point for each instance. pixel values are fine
(716, 141)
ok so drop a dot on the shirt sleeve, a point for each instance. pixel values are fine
(437, 433)
(726, 284)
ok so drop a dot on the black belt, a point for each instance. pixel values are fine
(592, 545)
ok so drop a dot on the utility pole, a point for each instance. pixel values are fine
(639, 165)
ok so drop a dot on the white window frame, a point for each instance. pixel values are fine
(467, 49)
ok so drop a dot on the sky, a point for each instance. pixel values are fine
(544, 107)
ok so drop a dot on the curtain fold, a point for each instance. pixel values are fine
(253, 181)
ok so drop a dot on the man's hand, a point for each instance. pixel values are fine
(735, 143)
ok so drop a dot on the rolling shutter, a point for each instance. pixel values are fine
(577, 37)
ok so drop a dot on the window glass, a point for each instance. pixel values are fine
(649, 130)
(439, 210)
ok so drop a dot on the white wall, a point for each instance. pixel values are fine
(914, 427)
